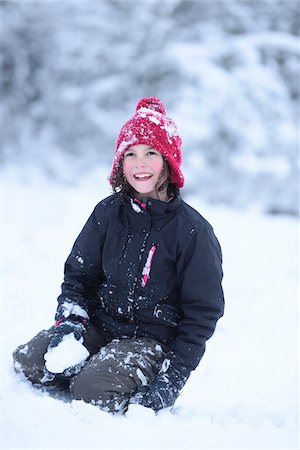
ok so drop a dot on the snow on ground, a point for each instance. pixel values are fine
(244, 394)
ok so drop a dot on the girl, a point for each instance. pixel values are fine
(142, 287)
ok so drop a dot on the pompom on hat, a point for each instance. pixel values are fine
(151, 126)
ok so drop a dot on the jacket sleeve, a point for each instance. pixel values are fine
(83, 268)
(201, 300)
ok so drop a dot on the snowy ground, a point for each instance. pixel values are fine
(244, 394)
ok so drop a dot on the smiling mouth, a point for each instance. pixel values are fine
(142, 176)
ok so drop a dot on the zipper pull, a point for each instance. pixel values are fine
(147, 267)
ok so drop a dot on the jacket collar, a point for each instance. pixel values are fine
(153, 206)
(158, 208)
(150, 210)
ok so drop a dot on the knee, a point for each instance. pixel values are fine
(86, 388)
(91, 384)
(102, 386)
(21, 358)
(28, 359)
(77, 387)
(24, 365)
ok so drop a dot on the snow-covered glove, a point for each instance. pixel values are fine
(72, 324)
(66, 355)
(164, 390)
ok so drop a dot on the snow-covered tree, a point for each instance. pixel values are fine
(71, 73)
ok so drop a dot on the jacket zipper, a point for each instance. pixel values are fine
(132, 291)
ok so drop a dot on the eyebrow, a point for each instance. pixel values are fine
(148, 148)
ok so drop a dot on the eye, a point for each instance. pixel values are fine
(152, 152)
(128, 154)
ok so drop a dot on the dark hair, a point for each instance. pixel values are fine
(121, 187)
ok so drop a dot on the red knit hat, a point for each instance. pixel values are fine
(151, 126)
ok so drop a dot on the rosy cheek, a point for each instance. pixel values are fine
(126, 169)
(157, 166)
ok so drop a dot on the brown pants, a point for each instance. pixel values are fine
(112, 374)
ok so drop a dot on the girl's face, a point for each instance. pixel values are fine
(142, 168)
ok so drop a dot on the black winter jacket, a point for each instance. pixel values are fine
(152, 272)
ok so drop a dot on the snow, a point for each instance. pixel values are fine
(141, 377)
(80, 259)
(244, 394)
(69, 308)
(147, 268)
(135, 207)
(68, 353)
(138, 411)
(228, 73)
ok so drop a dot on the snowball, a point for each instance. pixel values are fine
(67, 354)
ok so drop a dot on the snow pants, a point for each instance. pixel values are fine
(112, 374)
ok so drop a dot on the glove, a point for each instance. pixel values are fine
(72, 324)
(164, 390)
(68, 337)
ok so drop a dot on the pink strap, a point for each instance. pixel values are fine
(58, 322)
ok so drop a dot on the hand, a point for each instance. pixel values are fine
(164, 390)
(72, 324)
(66, 355)
(67, 358)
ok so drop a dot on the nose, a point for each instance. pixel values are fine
(140, 161)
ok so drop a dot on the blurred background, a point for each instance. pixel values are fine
(71, 73)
